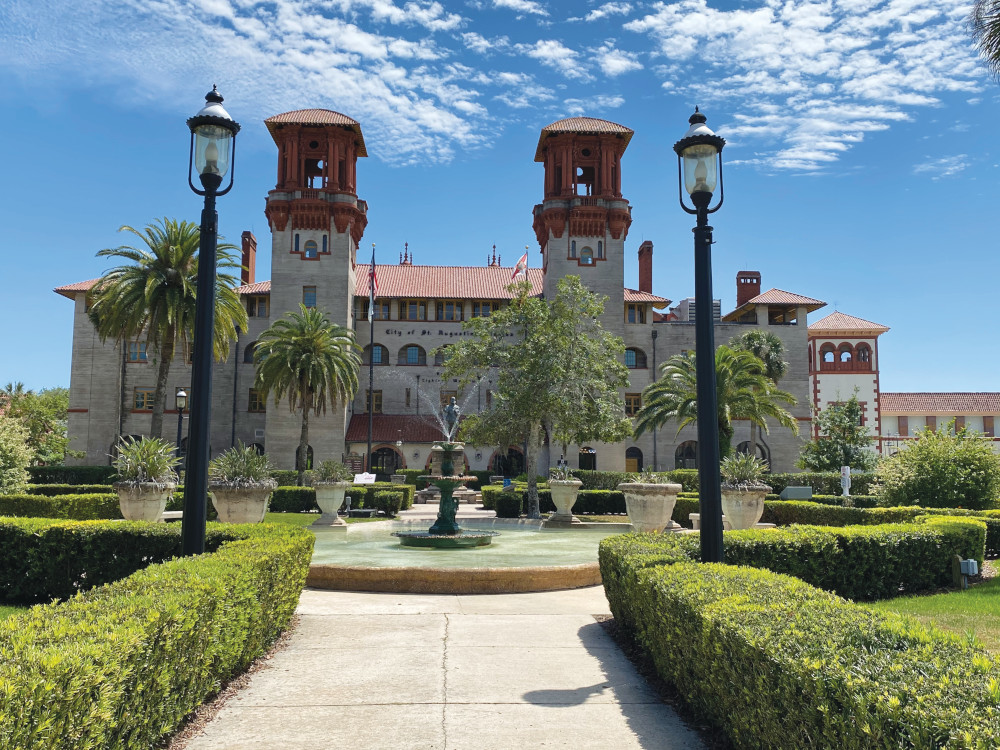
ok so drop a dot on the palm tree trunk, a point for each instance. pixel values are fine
(530, 464)
(160, 394)
(301, 454)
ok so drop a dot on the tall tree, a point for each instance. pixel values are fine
(557, 371)
(153, 295)
(43, 415)
(742, 389)
(842, 441)
(984, 23)
(310, 361)
(770, 350)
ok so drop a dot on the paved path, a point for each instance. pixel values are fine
(368, 671)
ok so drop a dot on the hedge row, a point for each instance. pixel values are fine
(54, 490)
(822, 482)
(777, 663)
(122, 665)
(83, 507)
(303, 499)
(588, 502)
(71, 474)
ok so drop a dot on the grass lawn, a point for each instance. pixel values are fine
(975, 610)
(305, 519)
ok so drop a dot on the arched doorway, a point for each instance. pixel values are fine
(509, 465)
(309, 457)
(633, 459)
(588, 459)
(763, 453)
(686, 455)
(385, 460)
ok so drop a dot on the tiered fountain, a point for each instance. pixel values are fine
(446, 533)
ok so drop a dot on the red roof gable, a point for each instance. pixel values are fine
(776, 297)
(442, 282)
(70, 290)
(316, 117)
(388, 428)
(838, 322)
(929, 403)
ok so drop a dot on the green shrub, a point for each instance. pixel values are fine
(941, 470)
(683, 508)
(508, 505)
(241, 466)
(53, 490)
(777, 663)
(602, 480)
(303, 499)
(15, 455)
(388, 502)
(288, 477)
(489, 493)
(122, 665)
(686, 478)
(81, 475)
(294, 500)
(822, 482)
(82, 507)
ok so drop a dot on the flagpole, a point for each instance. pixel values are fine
(371, 357)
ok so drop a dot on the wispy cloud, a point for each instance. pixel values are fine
(556, 55)
(614, 61)
(522, 6)
(608, 9)
(946, 166)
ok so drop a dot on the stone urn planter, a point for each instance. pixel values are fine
(237, 503)
(649, 506)
(564, 492)
(143, 501)
(329, 498)
(743, 505)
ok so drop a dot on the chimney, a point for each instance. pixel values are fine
(249, 259)
(646, 267)
(747, 286)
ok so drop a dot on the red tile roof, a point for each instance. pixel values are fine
(388, 428)
(70, 290)
(776, 297)
(442, 282)
(631, 295)
(261, 287)
(588, 125)
(838, 322)
(930, 403)
(316, 117)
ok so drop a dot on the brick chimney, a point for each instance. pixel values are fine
(747, 286)
(249, 259)
(646, 267)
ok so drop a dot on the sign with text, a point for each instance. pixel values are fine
(363, 478)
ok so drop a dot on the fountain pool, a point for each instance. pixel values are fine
(525, 557)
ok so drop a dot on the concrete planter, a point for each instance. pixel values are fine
(564, 492)
(329, 498)
(743, 506)
(144, 501)
(649, 506)
(240, 504)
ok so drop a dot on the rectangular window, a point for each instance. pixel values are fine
(489, 399)
(633, 402)
(309, 296)
(137, 351)
(407, 398)
(635, 313)
(257, 307)
(142, 399)
(904, 426)
(447, 396)
(484, 308)
(450, 310)
(931, 423)
(256, 402)
(988, 426)
(959, 424)
(377, 409)
(411, 309)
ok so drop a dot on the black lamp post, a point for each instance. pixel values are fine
(699, 161)
(213, 141)
(182, 402)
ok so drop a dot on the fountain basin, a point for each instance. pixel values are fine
(461, 540)
(526, 557)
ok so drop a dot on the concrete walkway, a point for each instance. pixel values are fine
(368, 671)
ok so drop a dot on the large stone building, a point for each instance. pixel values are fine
(317, 221)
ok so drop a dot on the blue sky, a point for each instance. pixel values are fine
(861, 166)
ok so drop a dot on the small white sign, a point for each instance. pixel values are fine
(364, 478)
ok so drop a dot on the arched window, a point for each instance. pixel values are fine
(588, 459)
(686, 455)
(846, 353)
(412, 355)
(309, 457)
(763, 453)
(311, 249)
(587, 256)
(827, 354)
(375, 354)
(572, 249)
(635, 359)
(508, 464)
(633, 459)
(259, 447)
(248, 353)
(864, 357)
(600, 248)
(440, 356)
(386, 460)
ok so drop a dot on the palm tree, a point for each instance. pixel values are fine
(769, 349)
(155, 294)
(984, 22)
(311, 361)
(742, 389)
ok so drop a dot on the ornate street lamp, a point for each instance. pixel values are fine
(213, 141)
(182, 402)
(699, 165)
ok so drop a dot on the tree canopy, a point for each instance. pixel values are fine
(557, 372)
(770, 350)
(984, 22)
(43, 415)
(842, 441)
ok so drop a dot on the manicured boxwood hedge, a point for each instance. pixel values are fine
(593, 502)
(83, 507)
(303, 499)
(71, 474)
(54, 490)
(822, 482)
(121, 665)
(777, 663)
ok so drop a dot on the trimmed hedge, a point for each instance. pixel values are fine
(54, 490)
(83, 507)
(508, 504)
(857, 562)
(777, 663)
(303, 499)
(122, 665)
(588, 502)
(822, 482)
(293, 500)
(71, 474)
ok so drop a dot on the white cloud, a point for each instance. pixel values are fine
(522, 6)
(946, 166)
(556, 55)
(608, 9)
(593, 103)
(614, 61)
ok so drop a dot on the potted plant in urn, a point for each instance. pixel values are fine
(331, 482)
(240, 484)
(649, 501)
(146, 478)
(564, 488)
(743, 490)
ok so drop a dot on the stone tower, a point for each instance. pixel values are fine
(583, 221)
(316, 221)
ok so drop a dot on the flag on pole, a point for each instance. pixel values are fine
(521, 268)
(373, 285)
